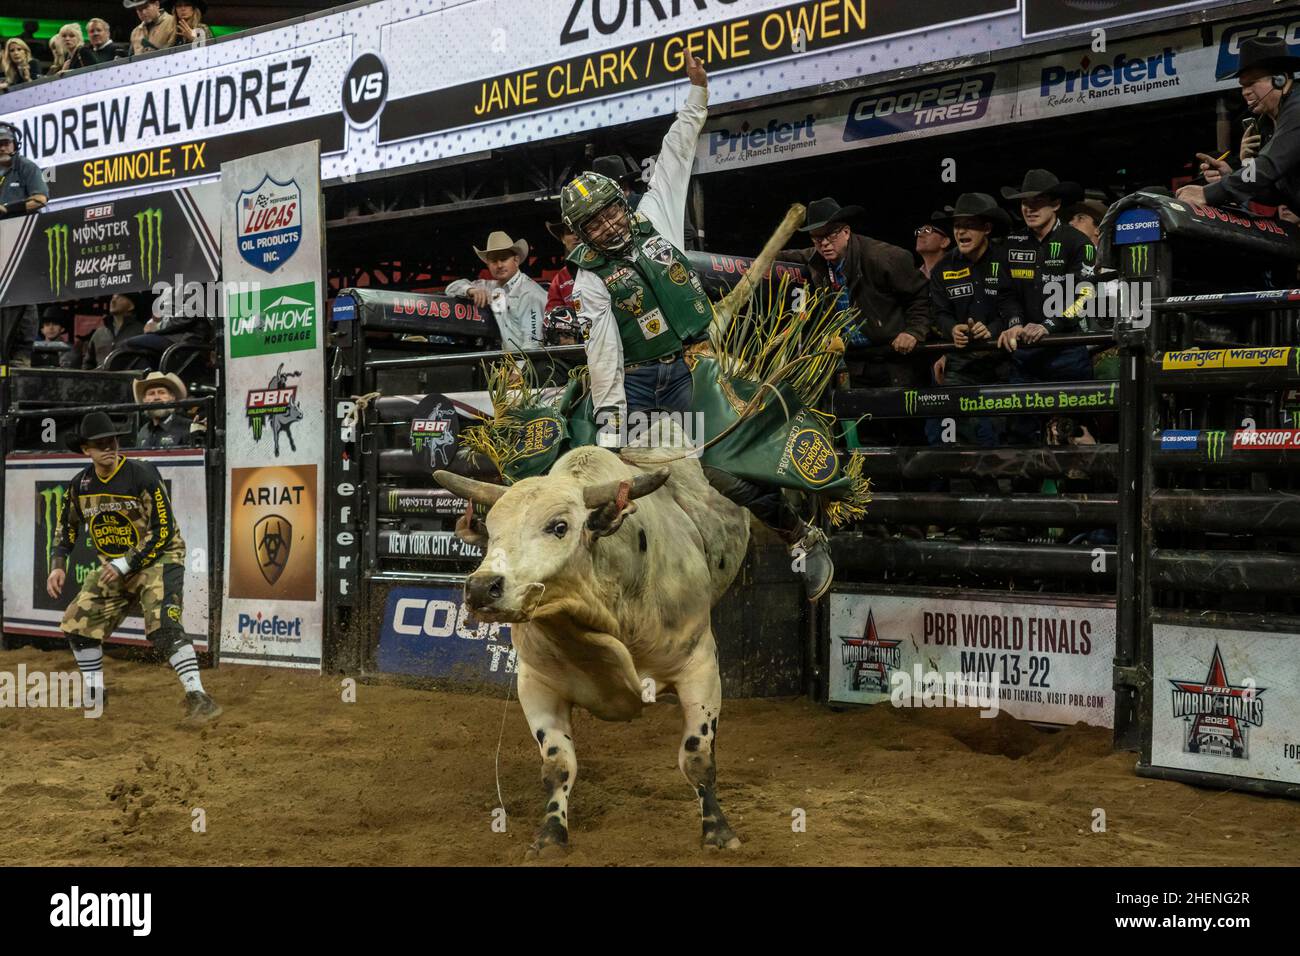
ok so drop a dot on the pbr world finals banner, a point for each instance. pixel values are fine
(272, 257)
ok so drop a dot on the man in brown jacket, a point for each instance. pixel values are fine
(889, 291)
(157, 30)
(879, 278)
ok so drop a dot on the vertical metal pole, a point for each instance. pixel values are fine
(4, 463)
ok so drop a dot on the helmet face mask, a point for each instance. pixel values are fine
(594, 207)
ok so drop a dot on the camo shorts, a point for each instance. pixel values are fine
(98, 609)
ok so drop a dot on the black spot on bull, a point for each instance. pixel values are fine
(641, 533)
(692, 744)
(715, 726)
(552, 751)
(704, 730)
(541, 737)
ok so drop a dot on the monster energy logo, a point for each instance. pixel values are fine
(56, 249)
(909, 401)
(1053, 249)
(148, 223)
(993, 268)
(1214, 442)
(1139, 259)
(1089, 252)
(392, 500)
(53, 502)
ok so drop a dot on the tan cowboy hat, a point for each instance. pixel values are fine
(168, 379)
(501, 242)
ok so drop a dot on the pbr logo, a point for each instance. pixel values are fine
(870, 659)
(434, 431)
(269, 223)
(276, 406)
(272, 539)
(1217, 714)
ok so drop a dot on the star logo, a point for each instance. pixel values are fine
(1218, 714)
(870, 657)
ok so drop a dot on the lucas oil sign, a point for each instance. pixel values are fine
(269, 223)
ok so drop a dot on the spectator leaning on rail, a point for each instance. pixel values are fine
(62, 45)
(1051, 266)
(974, 301)
(165, 427)
(189, 21)
(156, 31)
(933, 240)
(124, 505)
(1266, 75)
(517, 302)
(120, 324)
(645, 307)
(99, 48)
(22, 190)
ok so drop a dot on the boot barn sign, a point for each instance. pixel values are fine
(361, 81)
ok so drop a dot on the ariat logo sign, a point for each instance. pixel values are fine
(272, 541)
(1214, 442)
(148, 236)
(56, 248)
(652, 323)
(1217, 714)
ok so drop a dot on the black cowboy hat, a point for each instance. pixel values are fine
(1271, 53)
(94, 425)
(978, 206)
(615, 167)
(941, 219)
(169, 5)
(824, 212)
(1039, 182)
(558, 229)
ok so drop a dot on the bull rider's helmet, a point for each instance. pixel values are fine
(558, 323)
(584, 197)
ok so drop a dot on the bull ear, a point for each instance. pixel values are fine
(479, 492)
(470, 528)
(608, 517)
(594, 496)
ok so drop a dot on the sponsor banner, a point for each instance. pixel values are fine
(1052, 660)
(1052, 16)
(1130, 71)
(977, 400)
(414, 312)
(873, 117)
(126, 245)
(360, 81)
(1173, 440)
(429, 632)
(1265, 439)
(420, 501)
(275, 402)
(1137, 225)
(434, 431)
(35, 490)
(426, 544)
(1197, 359)
(1226, 702)
(1228, 38)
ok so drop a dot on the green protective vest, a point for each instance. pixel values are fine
(657, 299)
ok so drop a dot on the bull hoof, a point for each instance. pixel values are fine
(552, 840)
(722, 838)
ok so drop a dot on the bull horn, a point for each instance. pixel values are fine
(480, 492)
(595, 496)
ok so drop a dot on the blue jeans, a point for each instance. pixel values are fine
(662, 385)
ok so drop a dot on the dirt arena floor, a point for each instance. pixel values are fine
(292, 775)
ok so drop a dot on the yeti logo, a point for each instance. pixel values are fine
(272, 539)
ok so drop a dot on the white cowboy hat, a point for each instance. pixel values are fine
(166, 379)
(501, 242)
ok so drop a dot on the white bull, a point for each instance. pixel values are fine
(604, 593)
